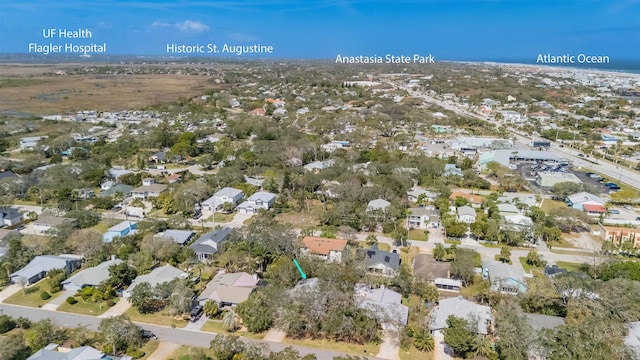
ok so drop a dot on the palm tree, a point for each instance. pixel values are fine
(423, 341)
(484, 347)
(211, 308)
(229, 321)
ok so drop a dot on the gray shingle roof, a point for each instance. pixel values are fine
(179, 236)
(210, 242)
(376, 256)
(81, 353)
(539, 322)
(44, 263)
(158, 276)
(460, 307)
(92, 276)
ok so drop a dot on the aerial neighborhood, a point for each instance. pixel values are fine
(376, 212)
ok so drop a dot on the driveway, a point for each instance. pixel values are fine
(118, 309)
(53, 304)
(442, 350)
(389, 348)
(197, 325)
(164, 351)
(10, 290)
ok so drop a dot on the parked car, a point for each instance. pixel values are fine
(614, 211)
(195, 313)
(147, 334)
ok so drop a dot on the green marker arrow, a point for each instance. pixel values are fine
(304, 276)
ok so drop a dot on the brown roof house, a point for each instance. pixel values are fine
(326, 249)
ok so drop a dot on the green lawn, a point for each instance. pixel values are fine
(498, 258)
(149, 348)
(413, 354)
(549, 205)
(186, 352)
(570, 266)
(406, 257)
(105, 224)
(381, 246)
(216, 326)
(223, 218)
(368, 349)
(85, 308)
(420, 235)
(160, 318)
(527, 268)
(32, 299)
(452, 242)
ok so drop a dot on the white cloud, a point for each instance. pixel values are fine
(191, 26)
(242, 37)
(186, 26)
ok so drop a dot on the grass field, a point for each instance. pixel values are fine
(223, 218)
(420, 235)
(381, 246)
(570, 266)
(187, 352)
(413, 354)
(149, 348)
(549, 205)
(43, 94)
(355, 349)
(528, 268)
(408, 256)
(32, 299)
(216, 326)
(161, 318)
(85, 308)
(302, 220)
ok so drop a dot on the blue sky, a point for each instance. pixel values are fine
(448, 29)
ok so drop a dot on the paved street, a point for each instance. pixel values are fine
(164, 333)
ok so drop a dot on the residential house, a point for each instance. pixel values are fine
(466, 214)
(120, 230)
(208, 244)
(504, 278)
(179, 236)
(4, 235)
(326, 249)
(378, 205)
(619, 235)
(45, 224)
(259, 200)
(157, 276)
(426, 267)
(56, 352)
(423, 217)
(381, 262)
(159, 158)
(30, 143)
(258, 112)
(254, 181)
(174, 178)
(594, 210)
(474, 200)
(579, 200)
(553, 271)
(37, 268)
(116, 173)
(479, 316)
(224, 195)
(508, 209)
(415, 193)
(229, 289)
(320, 165)
(113, 190)
(10, 216)
(92, 276)
(149, 189)
(385, 304)
(518, 223)
(452, 170)
(527, 200)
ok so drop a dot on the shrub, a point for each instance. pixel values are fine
(110, 302)
(45, 295)
(135, 353)
(71, 300)
(23, 323)
(86, 293)
(6, 324)
(31, 290)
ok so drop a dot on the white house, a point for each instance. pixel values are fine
(479, 316)
(512, 116)
(45, 224)
(92, 276)
(260, 200)
(156, 276)
(466, 214)
(148, 189)
(29, 143)
(422, 217)
(224, 195)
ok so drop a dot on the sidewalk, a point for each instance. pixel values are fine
(196, 326)
(389, 348)
(274, 335)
